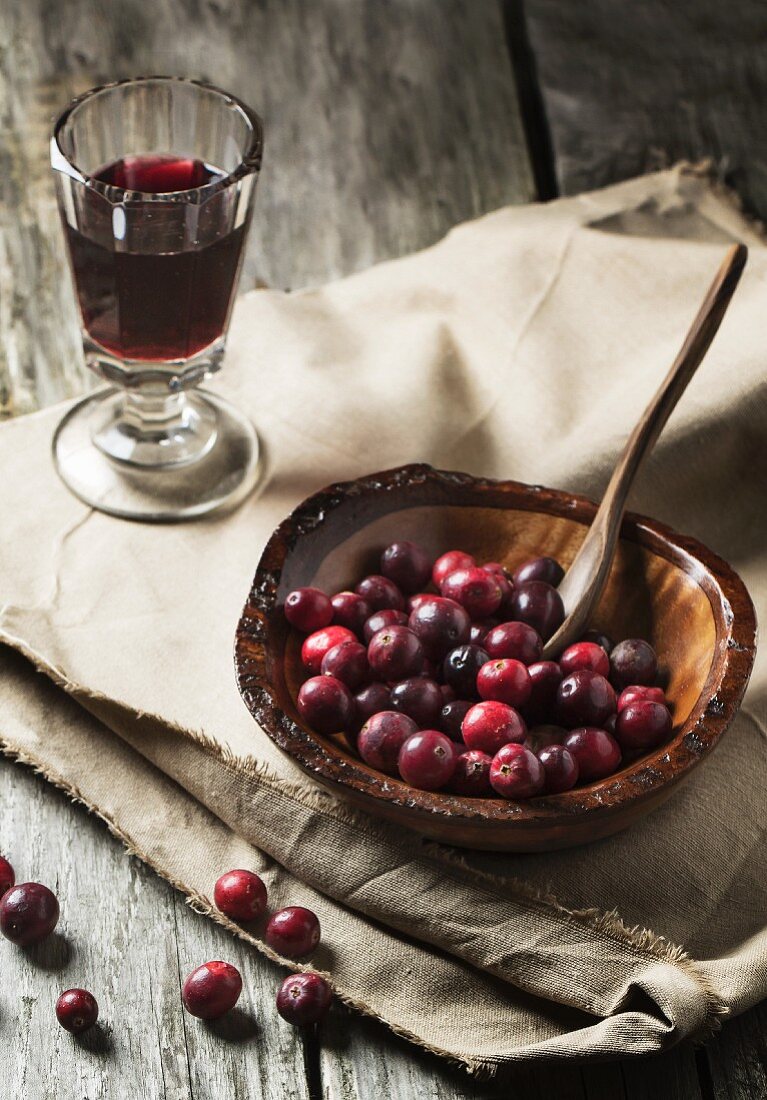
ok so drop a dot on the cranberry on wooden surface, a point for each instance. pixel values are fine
(460, 668)
(77, 1010)
(598, 638)
(308, 609)
(395, 653)
(28, 913)
(348, 662)
(212, 990)
(441, 625)
(490, 725)
(518, 641)
(585, 699)
(506, 681)
(545, 678)
(370, 700)
(427, 760)
(475, 589)
(642, 725)
(449, 563)
(317, 644)
(540, 606)
(517, 773)
(240, 895)
(586, 655)
(381, 738)
(326, 704)
(380, 593)
(472, 774)
(7, 876)
(596, 752)
(379, 619)
(636, 692)
(452, 716)
(541, 737)
(420, 699)
(304, 999)
(406, 564)
(633, 662)
(351, 611)
(539, 569)
(293, 932)
(561, 768)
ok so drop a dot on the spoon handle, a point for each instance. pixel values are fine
(583, 583)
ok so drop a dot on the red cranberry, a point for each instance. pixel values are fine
(598, 638)
(427, 760)
(517, 773)
(326, 704)
(517, 641)
(596, 752)
(642, 725)
(540, 606)
(587, 655)
(381, 738)
(545, 678)
(316, 645)
(460, 669)
(449, 563)
(472, 774)
(211, 990)
(77, 1010)
(561, 768)
(633, 662)
(539, 569)
(415, 601)
(447, 693)
(500, 574)
(585, 699)
(633, 694)
(441, 625)
(7, 876)
(480, 630)
(293, 932)
(304, 999)
(420, 699)
(381, 619)
(28, 913)
(475, 589)
(506, 681)
(370, 700)
(351, 611)
(490, 725)
(381, 593)
(452, 716)
(348, 662)
(308, 609)
(395, 653)
(407, 565)
(541, 737)
(240, 895)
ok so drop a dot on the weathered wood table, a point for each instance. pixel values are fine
(386, 125)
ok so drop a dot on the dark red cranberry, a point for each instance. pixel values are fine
(348, 662)
(447, 693)
(381, 619)
(504, 581)
(371, 700)
(381, 593)
(475, 589)
(584, 699)
(77, 1010)
(351, 611)
(395, 653)
(293, 932)
(598, 638)
(441, 625)
(28, 913)
(240, 895)
(460, 668)
(596, 752)
(517, 641)
(544, 569)
(326, 704)
(587, 655)
(636, 692)
(488, 726)
(427, 760)
(561, 768)
(506, 681)
(540, 606)
(212, 990)
(420, 699)
(472, 774)
(316, 645)
(308, 609)
(407, 565)
(452, 716)
(633, 662)
(304, 999)
(449, 563)
(381, 738)
(610, 723)
(415, 601)
(480, 630)
(642, 725)
(515, 772)
(430, 670)
(541, 737)
(7, 876)
(545, 678)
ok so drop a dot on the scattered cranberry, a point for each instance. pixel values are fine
(77, 1010)
(381, 619)
(317, 644)
(452, 716)
(308, 609)
(598, 638)
(586, 655)
(7, 876)
(642, 725)
(636, 692)
(441, 625)
(420, 699)
(633, 662)
(490, 725)
(348, 662)
(395, 653)
(480, 630)
(240, 895)
(517, 773)
(539, 569)
(561, 768)
(326, 704)
(475, 589)
(517, 641)
(472, 774)
(407, 565)
(211, 990)
(382, 737)
(541, 737)
(304, 999)
(596, 752)
(540, 606)
(293, 932)
(381, 593)
(427, 760)
(28, 913)
(351, 611)
(460, 669)
(370, 700)
(505, 681)
(545, 678)
(585, 699)
(449, 563)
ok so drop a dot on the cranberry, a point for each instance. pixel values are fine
(515, 640)
(304, 999)
(326, 704)
(642, 725)
(441, 625)
(447, 693)
(515, 772)
(633, 662)
(460, 669)
(370, 700)
(415, 601)
(381, 593)
(395, 653)
(348, 662)
(472, 774)
(475, 589)
(539, 569)
(211, 990)
(381, 738)
(316, 645)
(28, 913)
(430, 670)
(610, 723)
(545, 678)
(449, 563)
(240, 895)
(561, 768)
(596, 752)
(7, 876)
(407, 565)
(308, 609)
(420, 699)
(380, 619)
(452, 716)
(540, 606)
(541, 737)
(636, 692)
(490, 725)
(351, 611)
(77, 1010)
(500, 574)
(585, 655)
(506, 681)
(598, 638)
(584, 699)
(427, 760)
(480, 630)
(293, 932)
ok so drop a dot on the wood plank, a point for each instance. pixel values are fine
(733, 1064)
(673, 1076)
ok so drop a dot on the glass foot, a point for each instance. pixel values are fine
(205, 458)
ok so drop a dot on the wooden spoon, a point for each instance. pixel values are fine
(585, 579)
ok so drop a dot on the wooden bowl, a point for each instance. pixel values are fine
(663, 587)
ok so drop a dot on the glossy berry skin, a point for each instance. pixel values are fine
(240, 895)
(77, 1010)
(427, 760)
(596, 752)
(507, 587)
(633, 662)
(406, 564)
(317, 644)
(636, 692)
(517, 773)
(586, 655)
(475, 589)
(395, 653)
(326, 704)
(561, 768)
(380, 619)
(351, 611)
(370, 700)
(212, 990)
(381, 593)
(460, 669)
(304, 999)
(381, 738)
(545, 678)
(598, 638)
(541, 737)
(415, 601)
(610, 723)
(505, 681)
(584, 699)
(642, 725)
(28, 913)
(450, 563)
(539, 569)
(540, 606)
(517, 641)
(480, 630)
(490, 725)
(452, 716)
(441, 625)
(293, 932)
(419, 698)
(472, 774)
(7, 876)
(348, 662)
(308, 609)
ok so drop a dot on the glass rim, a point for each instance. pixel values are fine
(250, 162)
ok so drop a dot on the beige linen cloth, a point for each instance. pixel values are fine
(524, 345)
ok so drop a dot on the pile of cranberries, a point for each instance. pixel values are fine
(432, 670)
